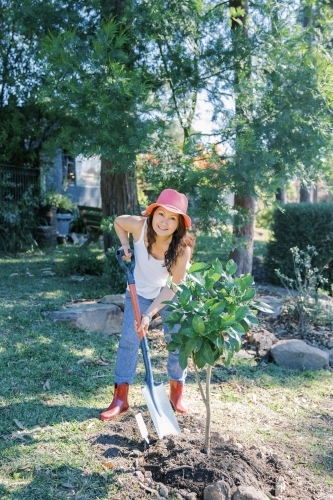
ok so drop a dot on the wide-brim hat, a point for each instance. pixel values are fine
(172, 201)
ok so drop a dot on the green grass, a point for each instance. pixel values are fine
(53, 388)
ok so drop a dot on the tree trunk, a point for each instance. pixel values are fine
(119, 195)
(280, 195)
(243, 257)
(304, 195)
(118, 189)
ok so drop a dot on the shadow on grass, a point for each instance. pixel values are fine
(57, 484)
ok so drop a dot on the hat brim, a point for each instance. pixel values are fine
(187, 219)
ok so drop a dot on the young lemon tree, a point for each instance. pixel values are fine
(214, 310)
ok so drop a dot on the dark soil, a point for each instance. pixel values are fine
(179, 463)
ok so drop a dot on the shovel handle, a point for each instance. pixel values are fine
(129, 271)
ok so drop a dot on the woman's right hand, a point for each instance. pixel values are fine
(126, 249)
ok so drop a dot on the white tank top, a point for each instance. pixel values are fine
(150, 274)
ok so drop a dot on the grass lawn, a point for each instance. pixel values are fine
(56, 379)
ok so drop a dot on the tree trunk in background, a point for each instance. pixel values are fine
(118, 189)
(280, 195)
(119, 195)
(304, 195)
(244, 256)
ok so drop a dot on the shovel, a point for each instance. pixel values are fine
(154, 393)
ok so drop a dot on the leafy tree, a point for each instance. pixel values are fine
(214, 310)
(24, 122)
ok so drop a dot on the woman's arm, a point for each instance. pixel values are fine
(124, 225)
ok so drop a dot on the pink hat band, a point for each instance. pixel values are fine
(172, 201)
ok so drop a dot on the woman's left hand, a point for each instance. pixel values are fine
(143, 327)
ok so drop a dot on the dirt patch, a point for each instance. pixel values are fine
(178, 463)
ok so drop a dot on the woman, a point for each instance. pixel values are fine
(162, 248)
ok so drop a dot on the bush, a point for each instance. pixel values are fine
(83, 261)
(113, 272)
(301, 225)
(18, 220)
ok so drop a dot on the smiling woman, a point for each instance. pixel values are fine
(162, 249)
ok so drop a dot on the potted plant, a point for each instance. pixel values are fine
(63, 207)
(214, 310)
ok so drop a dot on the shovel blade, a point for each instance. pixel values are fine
(163, 416)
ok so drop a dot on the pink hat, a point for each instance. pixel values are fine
(172, 201)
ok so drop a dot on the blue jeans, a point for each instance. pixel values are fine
(127, 354)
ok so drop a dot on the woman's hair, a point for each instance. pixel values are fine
(180, 240)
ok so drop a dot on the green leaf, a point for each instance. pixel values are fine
(218, 268)
(251, 320)
(170, 303)
(177, 337)
(246, 281)
(174, 318)
(209, 283)
(213, 275)
(198, 267)
(182, 358)
(228, 320)
(207, 353)
(235, 341)
(172, 346)
(209, 303)
(231, 267)
(198, 345)
(188, 332)
(217, 339)
(190, 346)
(249, 294)
(261, 306)
(198, 325)
(218, 308)
(241, 312)
(184, 296)
(237, 327)
(198, 359)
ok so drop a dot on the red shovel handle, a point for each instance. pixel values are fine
(136, 308)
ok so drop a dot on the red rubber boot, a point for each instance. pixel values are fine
(119, 403)
(176, 397)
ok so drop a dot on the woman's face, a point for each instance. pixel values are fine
(164, 223)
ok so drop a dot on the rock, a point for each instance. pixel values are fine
(117, 300)
(298, 355)
(92, 317)
(248, 493)
(263, 340)
(187, 495)
(217, 491)
(163, 491)
(329, 344)
(139, 475)
(275, 302)
(280, 486)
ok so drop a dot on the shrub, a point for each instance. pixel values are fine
(304, 303)
(18, 220)
(83, 261)
(301, 225)
(114, 274)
